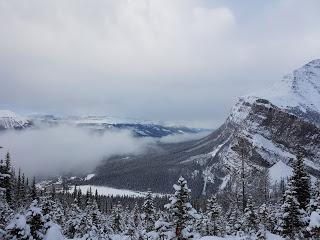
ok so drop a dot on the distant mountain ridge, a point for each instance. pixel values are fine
(266, 129)
(140, 128)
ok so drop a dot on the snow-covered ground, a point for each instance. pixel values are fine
(108, 191)
(270, 236)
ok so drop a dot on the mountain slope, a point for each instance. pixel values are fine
(262, 129)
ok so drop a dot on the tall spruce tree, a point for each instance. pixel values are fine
(292, 219)
(213, 213)
(74, 216)
(35, 220)
(8, 180)
(250, 224)
(33, 193)
(148, 212)
(300, 181)
(5, 210)
(181, 211)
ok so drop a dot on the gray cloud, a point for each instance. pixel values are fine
(182, 60)
(65, 148)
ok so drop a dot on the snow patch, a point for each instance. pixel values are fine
(280, 171)
(107, 191)
(225, 180)
(89, 176)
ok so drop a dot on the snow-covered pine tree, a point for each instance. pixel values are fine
(91, 222)
(263, 218)
(181, 212)
(215, 223)
(47, 206)
(7, 181)
(250, 223)
(5, 210)
(264, 187)
(35, 220)
(300, 182)
(23, 190)
(18, 229)
(148, 214)
(18, 190)
(292, 219)
(136, 215)
(314, 212)
(162, 228)
(202, 224)
(117, 225)
(233, 221)
(74, 217)
(33, 192)
(314, 203)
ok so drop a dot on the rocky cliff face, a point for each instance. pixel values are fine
(265, 129)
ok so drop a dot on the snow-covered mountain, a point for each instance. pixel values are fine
(266, 129)
(10, 120)
(298, 93)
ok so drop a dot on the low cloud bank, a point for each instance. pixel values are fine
(56, 150)
(64, 148)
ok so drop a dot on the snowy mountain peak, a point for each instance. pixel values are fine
(10, 120)
(297, 93)
(300, 89)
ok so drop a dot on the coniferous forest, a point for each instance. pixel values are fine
(290, 209)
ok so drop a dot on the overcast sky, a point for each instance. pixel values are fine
(170, 60)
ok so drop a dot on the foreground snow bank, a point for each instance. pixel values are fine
(54, 233)
(270, 236)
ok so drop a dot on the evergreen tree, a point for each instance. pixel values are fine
(181, 211)
(250, 224)
(8, 183)
(18, 189)
(234, 222)
(300, 181)
(263, 218)
(18, 229)
(148, 215)
(33, 193)
(314, 211)
(74, 217)
(292, 215)
(162, 228)
(117, 225)
(23, 189)
(5, 210)
(214, 216)
(35, 220)
(314, 203)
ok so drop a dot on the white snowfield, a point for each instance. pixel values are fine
(269, 236)
(107, 191)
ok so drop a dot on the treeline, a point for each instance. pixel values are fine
(290, 209)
